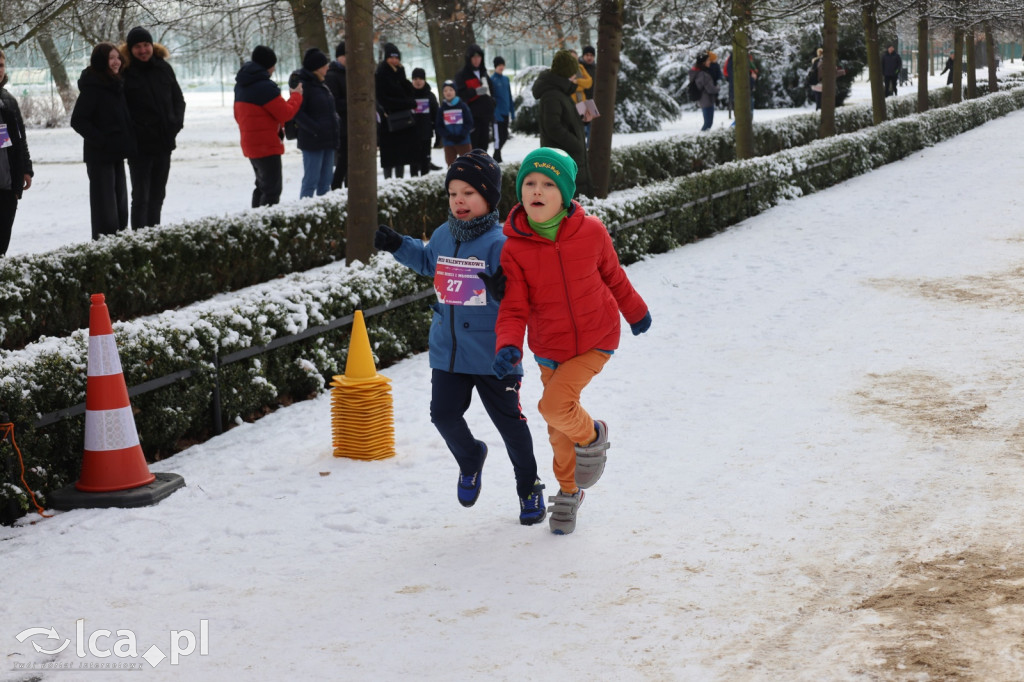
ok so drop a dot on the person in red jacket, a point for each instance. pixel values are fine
(563, 281)
(261, 113)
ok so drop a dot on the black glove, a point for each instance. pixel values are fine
(495, 283)
(387, 239)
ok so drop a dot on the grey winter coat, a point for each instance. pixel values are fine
(708, 90)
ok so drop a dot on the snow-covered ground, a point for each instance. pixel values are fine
(814, 475)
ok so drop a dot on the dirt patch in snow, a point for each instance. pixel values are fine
(926, 403)
(957, 617)
(995, 290)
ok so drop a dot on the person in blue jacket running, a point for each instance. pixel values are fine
(463, 258)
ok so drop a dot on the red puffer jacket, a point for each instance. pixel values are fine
(569, 292)
(261, 111)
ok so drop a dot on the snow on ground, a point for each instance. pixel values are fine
(813, 476)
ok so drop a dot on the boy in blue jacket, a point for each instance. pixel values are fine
(504, 106)
(461, 256)
(454, 124)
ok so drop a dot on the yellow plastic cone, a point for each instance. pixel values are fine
(362, 413)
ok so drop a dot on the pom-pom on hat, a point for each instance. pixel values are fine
(553, 163)
(481, 172)
(314, 59)
(138, 35)
(564, 64)
(264, 56)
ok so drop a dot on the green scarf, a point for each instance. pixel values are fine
(549, 228)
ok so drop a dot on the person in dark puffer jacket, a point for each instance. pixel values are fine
(158, 111)
(318, 125)
(560, 124)
(15, 158)
(261, 113)
(101, 117)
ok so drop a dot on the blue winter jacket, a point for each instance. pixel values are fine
(504, 107)
(454, 134)
(462, 338)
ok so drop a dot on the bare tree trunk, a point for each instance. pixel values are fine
(362, 131)
(609, 46)
(958, 65)
(309, 24)
(827, 125)
(869, 18)
(972, 65)
(990, 54)
(740, 69)
(923, 56)
(450, 33)
(57, 70)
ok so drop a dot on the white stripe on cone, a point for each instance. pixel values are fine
(110, 429)
(103, 358)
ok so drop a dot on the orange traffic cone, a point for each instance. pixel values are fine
(114, 470)
(362, 413)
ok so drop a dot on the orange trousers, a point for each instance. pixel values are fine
(568, 423)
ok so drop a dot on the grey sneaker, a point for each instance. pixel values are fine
(563, 508)
(590, 459)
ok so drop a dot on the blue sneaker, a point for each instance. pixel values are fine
(531, 507)
(469, 486)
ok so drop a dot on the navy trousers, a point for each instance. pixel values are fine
(450, 397)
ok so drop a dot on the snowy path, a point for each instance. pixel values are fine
(826, 414)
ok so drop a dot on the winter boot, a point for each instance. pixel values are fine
(590, 459)
(531, 507)
(469, 485)
(563, 512)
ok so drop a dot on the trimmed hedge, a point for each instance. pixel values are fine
(155, 269)
(50, 374)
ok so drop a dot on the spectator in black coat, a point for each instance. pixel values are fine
(588, 60)
(15, 162)
(157, 108)
(473, 86)
(426, 117)
(317, 122)
(949, 67)
(101, 117)
(398, 148)
(336, 81)
(892, 64)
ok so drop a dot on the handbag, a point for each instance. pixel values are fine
(400, 120)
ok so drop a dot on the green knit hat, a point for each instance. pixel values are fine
(553, 163)
(564, 64)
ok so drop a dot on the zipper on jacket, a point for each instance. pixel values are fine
(568, 299)
(451, 319)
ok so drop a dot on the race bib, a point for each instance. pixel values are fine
(456, 281)
(422, 106)
(453, 117)
(5, 137)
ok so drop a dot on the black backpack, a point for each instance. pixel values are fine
(693, 90)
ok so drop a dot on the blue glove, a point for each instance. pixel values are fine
(643, 325)
(506, 359)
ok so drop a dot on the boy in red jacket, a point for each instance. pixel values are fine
(563, 280)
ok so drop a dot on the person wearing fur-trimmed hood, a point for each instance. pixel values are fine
(157, 108)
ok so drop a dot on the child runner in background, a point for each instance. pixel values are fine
(504, 106)
(462, 336)
(454, 121)
(564, 282)
(425, 115)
